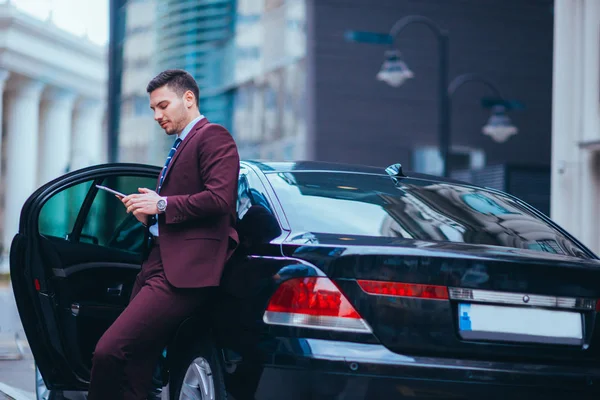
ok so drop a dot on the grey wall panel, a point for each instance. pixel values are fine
(508, 41)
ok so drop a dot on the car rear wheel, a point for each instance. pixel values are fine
(200, 375)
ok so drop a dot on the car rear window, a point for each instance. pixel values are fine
(373, 205)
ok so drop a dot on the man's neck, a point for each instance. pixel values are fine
(195, 115)
(188, 123)
(190, 119)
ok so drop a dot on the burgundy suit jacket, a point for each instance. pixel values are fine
(197, 233)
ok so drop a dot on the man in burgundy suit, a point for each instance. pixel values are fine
(191, 219)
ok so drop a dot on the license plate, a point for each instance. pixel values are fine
(519, 324)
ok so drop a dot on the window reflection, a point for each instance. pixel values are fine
(256, 221)
(372, 205)
(249, 196)
(484, 204)
(58, 215)
(106, 223)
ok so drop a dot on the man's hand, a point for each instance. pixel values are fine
(142, 205)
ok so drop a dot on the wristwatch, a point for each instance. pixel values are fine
(161, 205)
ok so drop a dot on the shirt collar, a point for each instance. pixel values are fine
(189, 127)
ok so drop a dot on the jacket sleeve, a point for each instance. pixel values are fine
(219, 164)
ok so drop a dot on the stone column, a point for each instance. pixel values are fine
(3, 266)
(22, 120)
(566, 103)
(56, 117)
(88, 144)
(3, 77)
(589, 124)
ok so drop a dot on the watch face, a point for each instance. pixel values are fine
(161, 205)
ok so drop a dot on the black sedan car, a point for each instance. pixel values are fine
(349, 283)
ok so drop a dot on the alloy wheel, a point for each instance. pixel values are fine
(41, 391)
(198, 383)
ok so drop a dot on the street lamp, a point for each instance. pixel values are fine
(395, 72)
(499, 126)
(443, 56)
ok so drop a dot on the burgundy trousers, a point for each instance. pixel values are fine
(127, 353)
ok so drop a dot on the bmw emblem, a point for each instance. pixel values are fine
(525, 299)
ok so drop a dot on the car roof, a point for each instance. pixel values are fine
(321, 166)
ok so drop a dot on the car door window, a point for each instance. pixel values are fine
(106, 223)
(251, 192)
(256, 220)
(59, 213)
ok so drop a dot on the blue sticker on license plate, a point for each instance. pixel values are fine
(464, 318)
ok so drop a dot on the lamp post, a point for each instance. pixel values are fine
(395, 72)
(441, 36)
(499, 126)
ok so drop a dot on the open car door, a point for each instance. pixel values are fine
(73, 264)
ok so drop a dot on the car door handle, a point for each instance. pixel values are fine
(115, 290)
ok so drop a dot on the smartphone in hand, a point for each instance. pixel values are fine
(110, 190)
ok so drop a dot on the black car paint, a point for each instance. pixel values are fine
(429, 327)
(308, 368)
(252, 277)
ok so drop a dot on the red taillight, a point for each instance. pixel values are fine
(598, 305)
(36, 284)
(313, 302)
(404, 289)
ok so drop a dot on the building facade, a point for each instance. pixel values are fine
(357, 118)
(190, 30)
(139, 138)
(247, 56)
(302, 91)
(53, 88)
(282, 76)
(264, 66)
(576, 120)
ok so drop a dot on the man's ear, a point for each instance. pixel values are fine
(189, 99)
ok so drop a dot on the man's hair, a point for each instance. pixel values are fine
(178, 80)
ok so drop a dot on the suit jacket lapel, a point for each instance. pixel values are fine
(187, 139)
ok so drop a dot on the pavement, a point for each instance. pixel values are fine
(17, 369)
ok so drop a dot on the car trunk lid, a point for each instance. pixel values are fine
(495, 302)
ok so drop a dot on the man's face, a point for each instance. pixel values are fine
(170, 109)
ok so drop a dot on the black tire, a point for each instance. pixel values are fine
(204, 355)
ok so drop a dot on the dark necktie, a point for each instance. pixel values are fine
(152, 219)
(169, 157)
